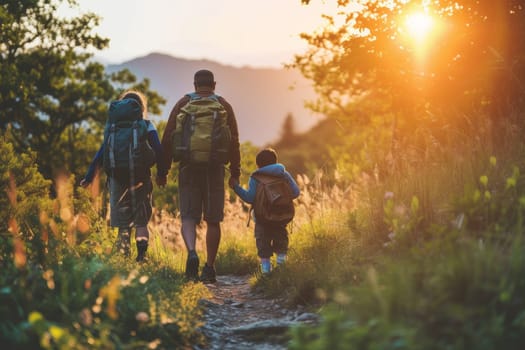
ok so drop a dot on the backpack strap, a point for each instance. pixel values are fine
(111, 145)
(131, 149)
(135, 137)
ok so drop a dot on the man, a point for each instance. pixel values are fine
(201, 187)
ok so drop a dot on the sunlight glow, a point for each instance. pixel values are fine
(419, 25)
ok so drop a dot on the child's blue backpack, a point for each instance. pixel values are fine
(126, 147)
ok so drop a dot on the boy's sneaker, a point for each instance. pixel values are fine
(266, 266)
(192, 266)
(208, 274)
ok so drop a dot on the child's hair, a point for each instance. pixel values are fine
(266, 157)
(137, 96)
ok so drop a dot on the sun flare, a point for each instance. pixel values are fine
(419, 25)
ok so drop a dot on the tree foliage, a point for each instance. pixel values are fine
(392, 92)
(473, 50)
(50, 87)
(288, 132)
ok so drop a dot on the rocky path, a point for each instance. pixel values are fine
(239, 318)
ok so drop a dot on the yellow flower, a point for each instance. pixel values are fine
(511, 182)
(56, 332)
(484, 180)
(34, 317)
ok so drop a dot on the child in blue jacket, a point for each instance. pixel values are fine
(269, 238)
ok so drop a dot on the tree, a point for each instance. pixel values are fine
(373, 74)
(474, 48)
(51, 91)
(288, 133)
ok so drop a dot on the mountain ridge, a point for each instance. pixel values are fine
(261, 97)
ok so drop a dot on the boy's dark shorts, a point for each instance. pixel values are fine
(270, 239)
(201, 191)
(123, 213)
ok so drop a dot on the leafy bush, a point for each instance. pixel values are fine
(91, 301)
(27, 196)
(468, 298)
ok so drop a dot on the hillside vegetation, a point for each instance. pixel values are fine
(409, 230)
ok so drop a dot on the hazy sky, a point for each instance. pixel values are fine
(259, 33)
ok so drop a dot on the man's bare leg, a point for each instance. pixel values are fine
(213, 238)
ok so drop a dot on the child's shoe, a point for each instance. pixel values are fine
(266, 266)
(281, 258)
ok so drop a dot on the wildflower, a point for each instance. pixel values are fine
(511, 182)
(86, 317)
(142, 317)
(484, 180)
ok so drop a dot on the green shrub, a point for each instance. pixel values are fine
(27, 197)
(468, 298)
(92, 301)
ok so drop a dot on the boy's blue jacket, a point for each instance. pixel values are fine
(273, 169)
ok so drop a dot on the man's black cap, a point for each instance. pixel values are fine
(204, 77)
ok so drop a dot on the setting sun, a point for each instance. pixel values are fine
(419, 25)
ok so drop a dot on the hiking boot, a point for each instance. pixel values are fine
(142, 247)
(192, 266)
(208, 274)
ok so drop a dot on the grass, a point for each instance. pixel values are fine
(430, 257)
(437, 253)
(91, 299)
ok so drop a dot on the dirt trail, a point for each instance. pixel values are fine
(239, 318)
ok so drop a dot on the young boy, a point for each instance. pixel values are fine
(269, 237)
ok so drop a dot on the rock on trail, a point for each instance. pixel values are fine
(237, 317)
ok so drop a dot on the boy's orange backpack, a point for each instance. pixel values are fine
(273, 202)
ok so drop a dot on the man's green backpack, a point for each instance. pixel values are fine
(202, 134)
(126, 147)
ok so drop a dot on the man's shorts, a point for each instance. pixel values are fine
(201, 192)
(129, 209)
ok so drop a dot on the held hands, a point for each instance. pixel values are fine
(233, 181)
